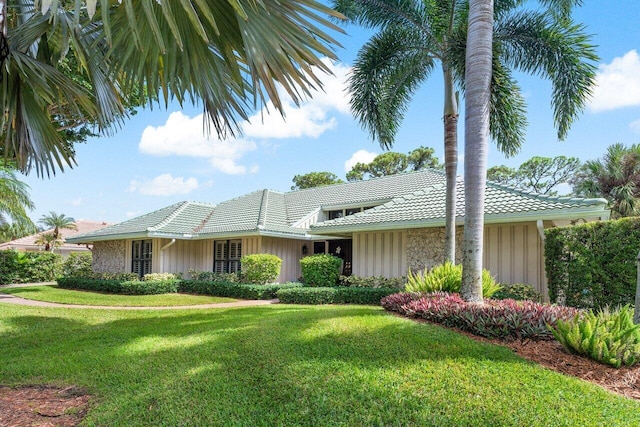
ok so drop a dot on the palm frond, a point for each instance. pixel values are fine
(387, 72)
(537, 44)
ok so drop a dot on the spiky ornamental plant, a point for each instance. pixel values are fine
(608, 336)
(447, 277)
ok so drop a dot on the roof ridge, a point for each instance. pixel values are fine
(262, 213)
(377, 178)
(562, 199)
(204, 221)
(170, 217)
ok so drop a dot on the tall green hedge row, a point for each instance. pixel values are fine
(29, 267)
(593, 265)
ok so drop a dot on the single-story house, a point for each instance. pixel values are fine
(379, 227)
(28, 243)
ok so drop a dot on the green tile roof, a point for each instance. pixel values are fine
(427, 207)
(410, 199)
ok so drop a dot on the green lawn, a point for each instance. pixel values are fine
(289, 365)
(51, 293)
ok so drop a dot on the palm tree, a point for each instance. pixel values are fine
(561, 55)
(415, 36)
(616, 178)
(14, 201)
(231, 56)
(49, 241)
(58, 222)
(479, 59)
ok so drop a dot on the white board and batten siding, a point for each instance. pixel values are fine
(290, 252)
(513, 253)
(183, 255)
(380, 253)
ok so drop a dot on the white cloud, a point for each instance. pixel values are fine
(164, 185)
(360, 156)
(77, 202)
(312, 118)
(132, 214)
(618, 83)
(635, 126)
(184, 136)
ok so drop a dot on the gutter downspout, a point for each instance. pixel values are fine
(171, 243)
(540, 227)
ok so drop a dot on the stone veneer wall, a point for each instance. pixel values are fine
(425, 247)
(110, 257)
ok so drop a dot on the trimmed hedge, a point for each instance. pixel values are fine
(373, 282)
(78, 264)
(132, 287)
(334, 295)
(518, 292)
(260, 269)
(593, 265)
(29, 267)
(320, 270)
(233, 290)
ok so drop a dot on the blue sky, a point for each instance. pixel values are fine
(160, 157)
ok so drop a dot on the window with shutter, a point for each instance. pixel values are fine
(141, 253)
(226, 256)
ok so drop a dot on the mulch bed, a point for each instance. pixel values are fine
(42, 406)
(48, 406)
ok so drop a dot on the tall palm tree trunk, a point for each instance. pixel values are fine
(478, 82)
(451, 164)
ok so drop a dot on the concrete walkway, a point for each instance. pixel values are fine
(12, 299)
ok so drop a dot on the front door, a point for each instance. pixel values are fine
(342, 249)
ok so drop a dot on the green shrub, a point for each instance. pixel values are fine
(447, 277)
(28, 267)
(133, 287)
(160, 277)
(210, 276)
(593, 265)
(259, 269)
(506, 319)
(320, 270)
(121, 277)
(334, 295)
(233, 289)
(609, 336)
(518, 292)
(372, 282)
(77, 264)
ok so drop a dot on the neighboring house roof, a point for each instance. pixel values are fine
(27, 243)
(413, 199)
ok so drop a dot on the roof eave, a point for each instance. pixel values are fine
(598, 212)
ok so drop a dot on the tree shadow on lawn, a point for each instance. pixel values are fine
(287, 365)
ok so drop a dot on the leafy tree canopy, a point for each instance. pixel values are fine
(538, 174)
(391, 163)
(314, 179)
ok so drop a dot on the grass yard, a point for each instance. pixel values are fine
(289, 365)
(51, 293)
